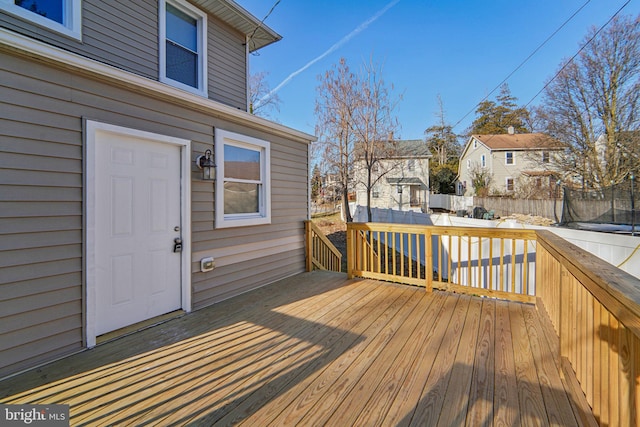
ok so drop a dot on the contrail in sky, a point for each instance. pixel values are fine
(333, 48)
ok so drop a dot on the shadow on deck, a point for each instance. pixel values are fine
(319, 349)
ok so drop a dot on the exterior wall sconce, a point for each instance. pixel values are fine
(206, 163)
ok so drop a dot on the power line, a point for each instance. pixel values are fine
(577, 53)
(262, 22)
(523, 62)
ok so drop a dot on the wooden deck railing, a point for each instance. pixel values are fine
(595, 310)
(593, 306)
(321, 253)
(480, 261)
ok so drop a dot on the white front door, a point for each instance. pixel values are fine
(137, 217)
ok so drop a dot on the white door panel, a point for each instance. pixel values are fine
(137, 208)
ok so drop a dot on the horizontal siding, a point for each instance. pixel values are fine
(41, 207)
(227, 65)
(125, 35)
(44, 350)
(234, 281)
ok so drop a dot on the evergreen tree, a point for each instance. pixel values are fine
(495, 117)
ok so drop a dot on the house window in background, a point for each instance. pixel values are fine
(243, 194)
(483, 161)
(545, 157)
(183, 46)
(509, 184)
(62, 16)
(509, 158)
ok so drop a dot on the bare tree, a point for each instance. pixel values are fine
(374, 126)
(592, 106)
(444, 146)
(355, 119)
(335, 109)
(262, 101)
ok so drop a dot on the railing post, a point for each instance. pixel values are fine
(309, 257)
(350, 251)
(428, 253)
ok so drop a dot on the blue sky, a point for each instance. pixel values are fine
(459, 49)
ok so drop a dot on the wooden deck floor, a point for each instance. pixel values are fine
(317, 349)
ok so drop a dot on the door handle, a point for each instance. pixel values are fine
(177, 244)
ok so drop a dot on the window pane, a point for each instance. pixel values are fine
(241, 163)
(240, 198)
(182, 29)
(52, 9)
(182, 65)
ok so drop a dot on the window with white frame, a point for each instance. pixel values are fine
(183, 46)
(475, 143)
(509, 158)
(483, 161)
(468, 164)
(243, 181)
(545, 157)
(509, 184)
(411, 165)
(61, 16)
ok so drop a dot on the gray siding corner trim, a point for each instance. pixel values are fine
(17, 43)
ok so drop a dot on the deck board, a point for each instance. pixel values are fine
(318, 349)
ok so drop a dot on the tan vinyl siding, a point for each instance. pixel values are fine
(41, 208)
(125, 35)
(227, 65)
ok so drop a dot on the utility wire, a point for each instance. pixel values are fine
(523, 62)
(577, 53)
(602, 27)
(262, 22)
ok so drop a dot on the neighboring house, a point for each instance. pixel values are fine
(401, 180)
(105, 218)
(508, 160)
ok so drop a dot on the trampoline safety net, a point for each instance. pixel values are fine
(614, 205)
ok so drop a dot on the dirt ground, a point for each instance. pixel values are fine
(335, 230)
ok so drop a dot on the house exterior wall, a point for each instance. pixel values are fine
(42, 285)
(125, 35)
(522, 161)
(473, 158)
(497, 167)
(387, 193)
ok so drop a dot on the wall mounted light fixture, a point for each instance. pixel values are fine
(206, 163)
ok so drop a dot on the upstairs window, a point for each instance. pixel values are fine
(61, 16)
(183, 46)
(483, 161)
(545, 157)
(509, 158)
(243, 193)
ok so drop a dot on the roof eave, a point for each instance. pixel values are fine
(240, 19)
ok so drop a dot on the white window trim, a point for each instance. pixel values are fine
(513, 158)
(483, 161)
(201, 17)
(223, 137)
(506, 184)
(546, 154)
(73, 19)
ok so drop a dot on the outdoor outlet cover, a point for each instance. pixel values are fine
(207, 264)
